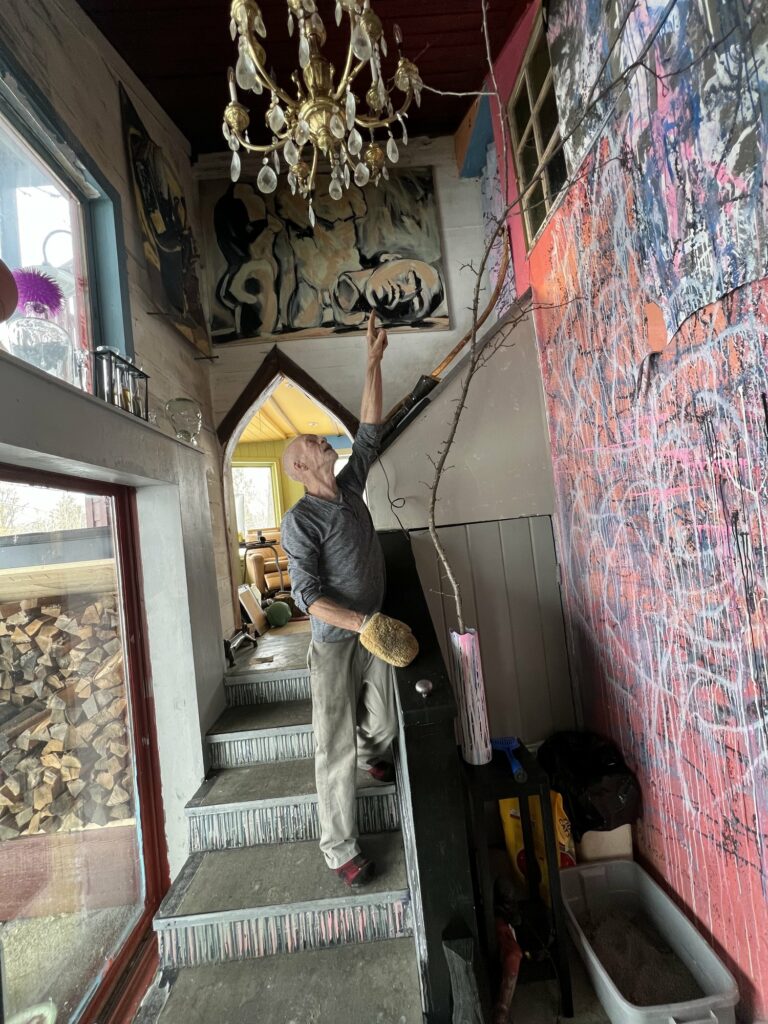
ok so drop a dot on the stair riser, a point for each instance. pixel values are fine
(261, 749)
(284, 823)
(267, 691)
(224, 941)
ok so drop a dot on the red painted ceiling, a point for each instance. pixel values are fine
(180, 49)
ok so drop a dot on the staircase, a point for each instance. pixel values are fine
(256, 928)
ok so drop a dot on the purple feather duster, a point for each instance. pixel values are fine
(38, 290)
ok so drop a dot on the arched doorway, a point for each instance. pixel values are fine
(280, 402)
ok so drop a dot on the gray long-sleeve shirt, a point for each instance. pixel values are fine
(333, 550)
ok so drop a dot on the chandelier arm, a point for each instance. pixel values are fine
(372, 122)
(266, 77)
(251, 147)
(348, 78)
(348, 75)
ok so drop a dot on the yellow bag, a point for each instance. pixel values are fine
(513, 835)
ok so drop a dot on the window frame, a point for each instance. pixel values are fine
(127, 977)
(32, 116)
(533, 128)
(277, 494)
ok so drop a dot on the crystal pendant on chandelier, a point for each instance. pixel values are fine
(290, 23)
(401, 119)
(354, 142)
(258, 24)
(335, 190)
(392, 151)
(362, 175)
(309, 6)
(245, 69)
(235, 166)
(302, 133)
(291, 153)
(233, 29)
(339, 12)
(276, 118)
(350, 108)
(267, 179)
(303, 52)
(337, 126)
(311, 213)
(347, 176)
(361, 42)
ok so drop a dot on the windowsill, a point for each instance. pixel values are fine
(33, 371)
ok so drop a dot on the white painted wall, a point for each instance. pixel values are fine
(338, 362)
(502, 467)
(51, 426)
(78, 71)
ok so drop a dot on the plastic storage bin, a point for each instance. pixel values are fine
(594, 890)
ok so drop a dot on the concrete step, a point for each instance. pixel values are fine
(376, 983)
(275, 803)
(277, 671)
(262, 733)
(262, 900)
(248, 687)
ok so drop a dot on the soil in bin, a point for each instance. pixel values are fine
(641, 964)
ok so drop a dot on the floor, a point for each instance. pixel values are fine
(539, 1002)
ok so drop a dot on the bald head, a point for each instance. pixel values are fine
(307, 458)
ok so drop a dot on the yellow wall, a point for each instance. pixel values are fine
(271, 451)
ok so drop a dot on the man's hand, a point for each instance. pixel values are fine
(377, 339)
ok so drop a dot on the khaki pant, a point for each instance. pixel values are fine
(354, 718)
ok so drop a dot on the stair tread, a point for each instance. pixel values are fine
(289, 714)
(287, 654)
(385, 988)
(267, 782)
(259, 877)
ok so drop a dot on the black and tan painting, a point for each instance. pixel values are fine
(276, 276)
(168, 241)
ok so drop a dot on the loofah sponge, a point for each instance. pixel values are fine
(390, 640)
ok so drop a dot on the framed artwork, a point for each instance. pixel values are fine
(168, 241)
(274, 276)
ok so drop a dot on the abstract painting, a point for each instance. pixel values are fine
(273, 275)
(168, 241)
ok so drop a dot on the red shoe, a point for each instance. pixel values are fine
(380, 770)
(356, 872)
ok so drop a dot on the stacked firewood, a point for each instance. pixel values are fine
(64, 747)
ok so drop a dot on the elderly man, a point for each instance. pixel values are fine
(337, 576)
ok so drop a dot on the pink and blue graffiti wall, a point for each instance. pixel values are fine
(653, 332)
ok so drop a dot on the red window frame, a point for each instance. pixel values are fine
(130, 972)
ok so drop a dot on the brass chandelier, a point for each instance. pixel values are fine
(323, 118)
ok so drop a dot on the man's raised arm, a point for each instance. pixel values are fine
(370, 408)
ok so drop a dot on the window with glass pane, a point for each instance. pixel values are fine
(72, 876)
(533, 120)
(255, 506)
(42, 243)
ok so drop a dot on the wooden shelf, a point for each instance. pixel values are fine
(95, 577)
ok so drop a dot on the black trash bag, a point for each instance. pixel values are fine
(598, 789)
